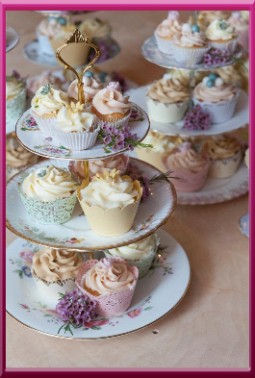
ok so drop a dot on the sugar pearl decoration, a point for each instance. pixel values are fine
(195, 29)
(205, 79)
(219, 82)
(186, 28)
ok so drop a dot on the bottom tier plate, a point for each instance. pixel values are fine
(155, 296)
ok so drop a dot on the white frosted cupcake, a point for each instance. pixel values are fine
(48, 194)
(110, 203)
(166, 31)
(15, 98)
(45, 106)
(139, 254)
(168, 99)
(216, 98)
(90, 87)
(76, 127)
(55, 271)
(240, 21)
(95, 28)
(190, 45)
(221, 35)
(225, 154)
(204, 18)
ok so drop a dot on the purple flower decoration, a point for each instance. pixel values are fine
(26, 270)
(216, 57)
(134, 172)
(75, 308)
(197, 119)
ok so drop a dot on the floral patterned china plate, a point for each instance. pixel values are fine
(29, 135)
(76, 233)
(156, 294)
(12, 39)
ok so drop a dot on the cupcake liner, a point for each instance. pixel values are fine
(189, 55)
(44, 45)
(164, 45)
(223, 168)
(219, 112)
(45, 124)
(76, 141)
(108, 305)
(152, 157)
(225, 45)
(54, 212)
(114, 123)
(15, 107)
(166, 113)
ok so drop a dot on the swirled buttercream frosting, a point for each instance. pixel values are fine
(220, 30)
(161, 143)
(95, 28)
(48, 101)
(90, 87)
(215, 94)
(110, 100)
(168, 28)
(230, 75)
(49, 27)
(221, 148)
(206, 17)
(17, 156)
(191, 39)
(185, 157)
(169, 91)
(75, 119)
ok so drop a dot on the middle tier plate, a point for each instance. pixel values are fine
(76, 233)
(31, 138)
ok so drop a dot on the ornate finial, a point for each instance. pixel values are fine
(77, 37)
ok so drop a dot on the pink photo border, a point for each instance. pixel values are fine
(6, 5)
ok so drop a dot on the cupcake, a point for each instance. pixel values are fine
(240, 21)
(45, 106)
(15, 97)
(110, 203)
(221, 35)
(110, 282)
(190, 168)
(17, 157)
(162, 145)
(95, 29)
(206, 17)
(168, 99)
(76, 127)
(90, 87)
(111, 106)
(230, 75)
(55, 270)
(216, 98)
(55, 79)
(166, 31)
(191, 45)
(139, 254)
(48, 194)
(225, 154)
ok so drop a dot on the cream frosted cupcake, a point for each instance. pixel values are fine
(95, 28)
(90, 87)
(166, 31)
(162, 146)
(48, 194)
(216, 98)
(139, 254)
(230, 75)
(168, 99)
(111, 106)
(55, 270)
(15, 97)
(110, 203)
(45, 106)
(55, 79)
(225, 154)
(110, 282)
(206, 17)
(240, 21)
(189, 166)
(190, 45)
(221, 35)
(17, 157)
(76, 127)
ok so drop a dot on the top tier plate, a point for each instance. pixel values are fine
(31, 138)
(151, 53)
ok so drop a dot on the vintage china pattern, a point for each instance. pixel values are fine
(156, 294)
(47, 147)
(240, 118)
(12, 39)
(76, 233)
(218, 190)
(151, 53)
(244, 224)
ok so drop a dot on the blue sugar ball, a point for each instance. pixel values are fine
(212, 76)
(89, 74)
(62, 21)
(195, 28)
(210, 83)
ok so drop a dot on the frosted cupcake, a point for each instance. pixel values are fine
(48, 194)
(95, 29)
(190, 45)
(166, 31)
(139, 254)
(240, 21)
(111, 106)
(45, 106)
(230, 75)
(206, 17)
(90, 87)
(17, 157)
(221, 35)
(55, 79)
(76, 127)
(216, 97)
(168, 99)
(15, 97)
(110, 282)
(225, 154)
(55, 270)
(189, 166)
(110, 203)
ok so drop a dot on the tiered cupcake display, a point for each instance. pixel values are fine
(94, 210)
(198, 107)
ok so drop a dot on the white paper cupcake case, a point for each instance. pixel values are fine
(16, 107)
(120, 123)
(228, 45)
(166, 113)
(224, 168)
(164, 45)
(45, 124)
(76, 141)
(44, 45)
(190, 55)
(220, 112)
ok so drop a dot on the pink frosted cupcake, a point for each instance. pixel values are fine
(110, 282)
(190, 167)
(240, 21)
(166, 31)
(90, 87)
